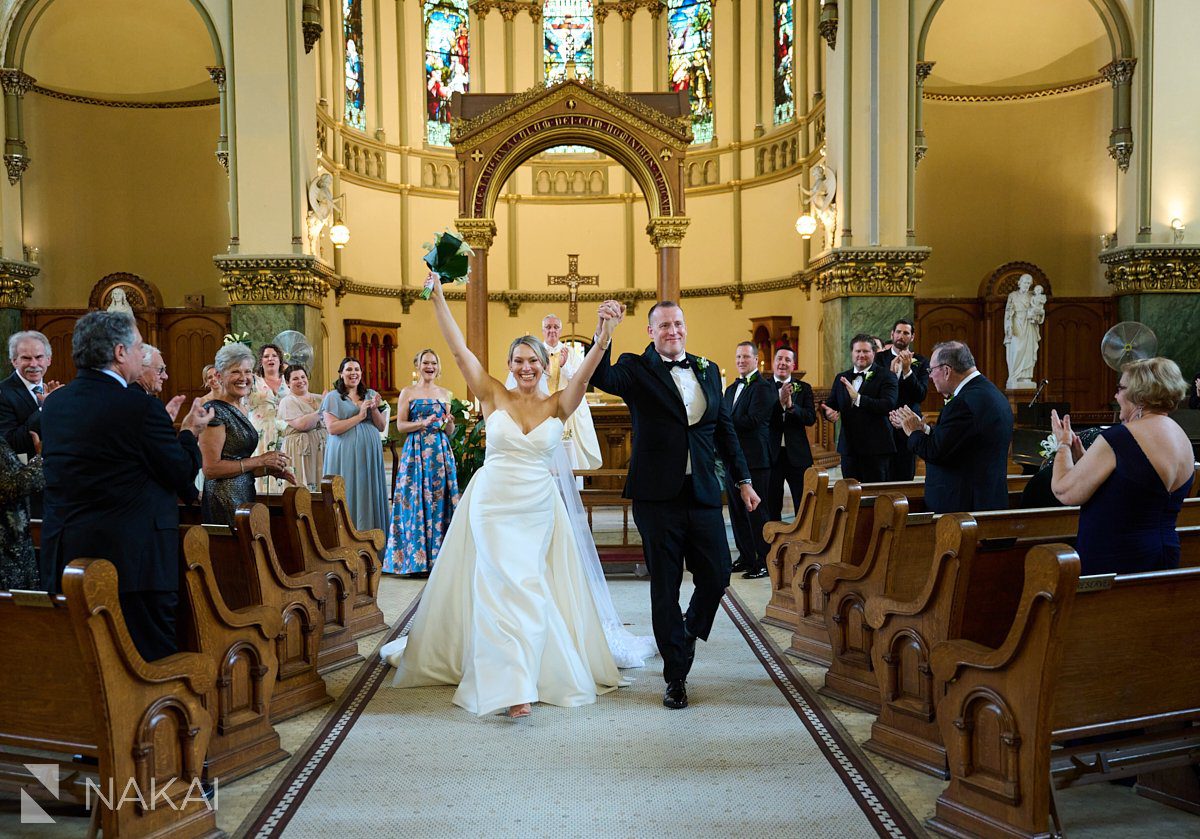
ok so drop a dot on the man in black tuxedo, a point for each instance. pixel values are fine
(966, 454)
(679, 424)
(862, 397)
(114, 467)
(912, 370)
(749, 400)
(22, 395)
(791, 455)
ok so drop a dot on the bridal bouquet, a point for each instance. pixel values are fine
(447, 261)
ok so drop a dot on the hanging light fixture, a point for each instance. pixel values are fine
(339, 234)
(806, 225)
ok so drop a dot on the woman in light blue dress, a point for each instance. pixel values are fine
(354, 450)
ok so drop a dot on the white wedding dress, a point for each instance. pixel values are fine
(509, 613)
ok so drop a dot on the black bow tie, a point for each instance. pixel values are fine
(741, 380)
(684, 362)
(779, 384)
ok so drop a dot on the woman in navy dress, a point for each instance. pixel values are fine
(1132, 481)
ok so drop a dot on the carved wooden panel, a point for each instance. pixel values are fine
(948, 319)
(189, 340)
(1070, 353)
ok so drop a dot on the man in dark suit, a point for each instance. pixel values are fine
(912, 371)
(114, 467)
(862, 397)
(154, 376)
(679, 424)
(966, 454)
(22, 395)
(791, 455)
(749, 400)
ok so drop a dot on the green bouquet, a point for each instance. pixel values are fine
(448, 261)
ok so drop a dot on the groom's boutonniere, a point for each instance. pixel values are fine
(795, 387)
(702, 364)
(867, 376)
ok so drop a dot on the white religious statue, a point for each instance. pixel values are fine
(822, 197)
(320, 212)
(584, 448)
(1024, 314)
(119, 302)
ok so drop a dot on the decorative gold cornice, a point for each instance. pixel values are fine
(467, 134)
(667, 231)
(508, 9)
(627, 8)
(865, 272)
(16, 282)
(477, 232)
(16, 82)
(285, 278)
(1015, 96)
(115, 103)
(1152, 269)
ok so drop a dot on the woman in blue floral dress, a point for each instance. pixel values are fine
(427, 488)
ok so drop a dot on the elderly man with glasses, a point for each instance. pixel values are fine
(154, 376)
(966, 453)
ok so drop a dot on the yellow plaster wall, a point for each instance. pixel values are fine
(1029, 181)
(135, 190)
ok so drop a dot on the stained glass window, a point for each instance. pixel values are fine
(689, 53)
(567, 36)
(785, 102)
(352, 31)
(447, 64)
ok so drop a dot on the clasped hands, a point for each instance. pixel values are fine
(609, 315)
(906, 420)
(1067, 438)
(902, 363)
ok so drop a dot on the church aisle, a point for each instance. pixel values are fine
(740, 760)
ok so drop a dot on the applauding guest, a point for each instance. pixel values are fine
(354, 450)
(861, 398)
(750, 401)
(230, 464)
(966, 455)
(912, 371)
(791, 455)
(1133, 479)
(304, 437)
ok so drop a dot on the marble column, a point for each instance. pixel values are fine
(16, 285)
(666, 234)
(479, 233)
(1159, 285)
(269, 294)
(862, 290)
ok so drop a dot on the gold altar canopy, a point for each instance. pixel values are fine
(493, 134)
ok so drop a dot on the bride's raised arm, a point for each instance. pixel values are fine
(571, 395)
(480, 383)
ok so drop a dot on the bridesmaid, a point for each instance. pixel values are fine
(269, 387)
(304, 437)
(427, 490)
(354, 449)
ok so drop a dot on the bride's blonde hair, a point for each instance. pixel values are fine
(539, 349)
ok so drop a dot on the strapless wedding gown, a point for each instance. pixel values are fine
(507, 614)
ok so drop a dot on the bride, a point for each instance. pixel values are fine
(513, 613)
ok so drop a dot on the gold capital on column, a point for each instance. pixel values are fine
(667, 231)
(1141, 269)
(866, 272)
(281, 278)
(477, 232)
(16, 282)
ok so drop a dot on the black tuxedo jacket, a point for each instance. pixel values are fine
(914, 388)
(787, 428)
(751, 416)
(865, 428)
(662, 438)
(193, 494)
(114, 467)
(966, 455)
(19, 415)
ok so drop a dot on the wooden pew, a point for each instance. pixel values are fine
(296, 529)
(1080, 657)
(336, 530)
(810, 512)
(248, 573)
(907, 627)
(75, 684)
(241, 643)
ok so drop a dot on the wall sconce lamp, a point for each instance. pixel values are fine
(1177, 231)
(806, 226)
(339, 234)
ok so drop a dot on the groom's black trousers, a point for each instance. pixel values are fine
(678, 534)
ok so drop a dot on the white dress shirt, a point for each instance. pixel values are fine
(694, 403)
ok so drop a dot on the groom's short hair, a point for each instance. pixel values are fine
(661, 304)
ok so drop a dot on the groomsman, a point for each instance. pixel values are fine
(750, 399)
(966, 453)
(792, 412)
(912, 370)
(862, 397)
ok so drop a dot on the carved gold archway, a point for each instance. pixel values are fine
(493, 134)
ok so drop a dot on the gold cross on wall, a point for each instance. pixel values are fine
(572, 280)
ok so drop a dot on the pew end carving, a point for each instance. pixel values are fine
(810, 512)
(335, 529)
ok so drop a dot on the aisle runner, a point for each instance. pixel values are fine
(756, 754)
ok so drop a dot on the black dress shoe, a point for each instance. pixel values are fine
(756, 574)
(675, 696)
(740, 565)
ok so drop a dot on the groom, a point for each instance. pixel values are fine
(679, 423)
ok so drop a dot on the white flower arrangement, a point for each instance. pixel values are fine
(235, 338)
(1049, 447)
